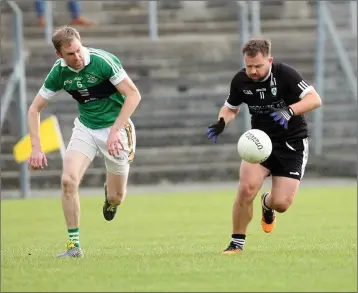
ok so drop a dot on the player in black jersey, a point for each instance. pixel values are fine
(277, 97)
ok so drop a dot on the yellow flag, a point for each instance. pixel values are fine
(50, 137)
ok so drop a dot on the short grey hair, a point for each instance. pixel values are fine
(64, 34)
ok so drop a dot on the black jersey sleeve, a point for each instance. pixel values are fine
(235, 98)
(296, 84)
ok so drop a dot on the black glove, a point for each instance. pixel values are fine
(282, 115)
(215, 129)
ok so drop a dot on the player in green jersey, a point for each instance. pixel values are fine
(106, 99)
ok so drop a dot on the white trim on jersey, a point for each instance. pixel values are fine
(87, 60)
(231, 106)
(305, 87)
(268, 75)
(119, 73)
(45, 92)
(302, 85)
(105, 57)
(305, 156)
(290, 146)
(305, 92)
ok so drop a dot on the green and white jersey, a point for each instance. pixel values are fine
(93, 87)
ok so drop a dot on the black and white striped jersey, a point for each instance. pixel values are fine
(282, 87)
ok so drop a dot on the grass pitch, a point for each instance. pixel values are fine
(172, 242)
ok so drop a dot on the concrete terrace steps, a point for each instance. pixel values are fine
(201, 110)
(151, 120)
(140, 43)
(141, 58)
(173, 49)
(160, 159)
(168, 125)
(139, 15)
(177, 61)
(155, 156)
(333, 94)
(179, 28)
(183, 136)
(342, 142)
(181, 66)
(165, 173)
(161, 84)
(209, 83)
(224, 145)
(167, 106)
(138, 175)
(336, 135)
(209, 73)
(170, 158)
(173, 107)
(131, 60)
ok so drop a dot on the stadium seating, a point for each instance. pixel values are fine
(184, 79)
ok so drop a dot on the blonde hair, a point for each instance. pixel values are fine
(257, 45)
(64, 34)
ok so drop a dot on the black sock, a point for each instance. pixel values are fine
(238, 240)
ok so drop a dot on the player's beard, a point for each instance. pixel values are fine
(256, 79)
(259, 78)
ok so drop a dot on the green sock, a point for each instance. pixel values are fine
(74, 235)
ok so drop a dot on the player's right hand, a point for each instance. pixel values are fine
(37, 160)
(215, 129)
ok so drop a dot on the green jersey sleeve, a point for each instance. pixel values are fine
(111, 66)
(52, 84)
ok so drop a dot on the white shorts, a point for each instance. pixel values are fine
(91, 142)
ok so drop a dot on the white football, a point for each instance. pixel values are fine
(254, 146)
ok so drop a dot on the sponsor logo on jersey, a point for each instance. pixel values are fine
(247, 92)
(91, 78)
(84, 92)
(265, 109)
(90, 100)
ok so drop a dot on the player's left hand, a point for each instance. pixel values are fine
(114, 144)
(216, 129)
(282, 116)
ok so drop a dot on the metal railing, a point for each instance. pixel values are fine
(153, 20)
(353, 10)
(49, 22)
(17, 84)
(325, 24)
(319, 82)
(245, 8)
(338, 44)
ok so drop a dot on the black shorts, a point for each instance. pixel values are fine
(288, 159)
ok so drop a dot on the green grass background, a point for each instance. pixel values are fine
(172, 242)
